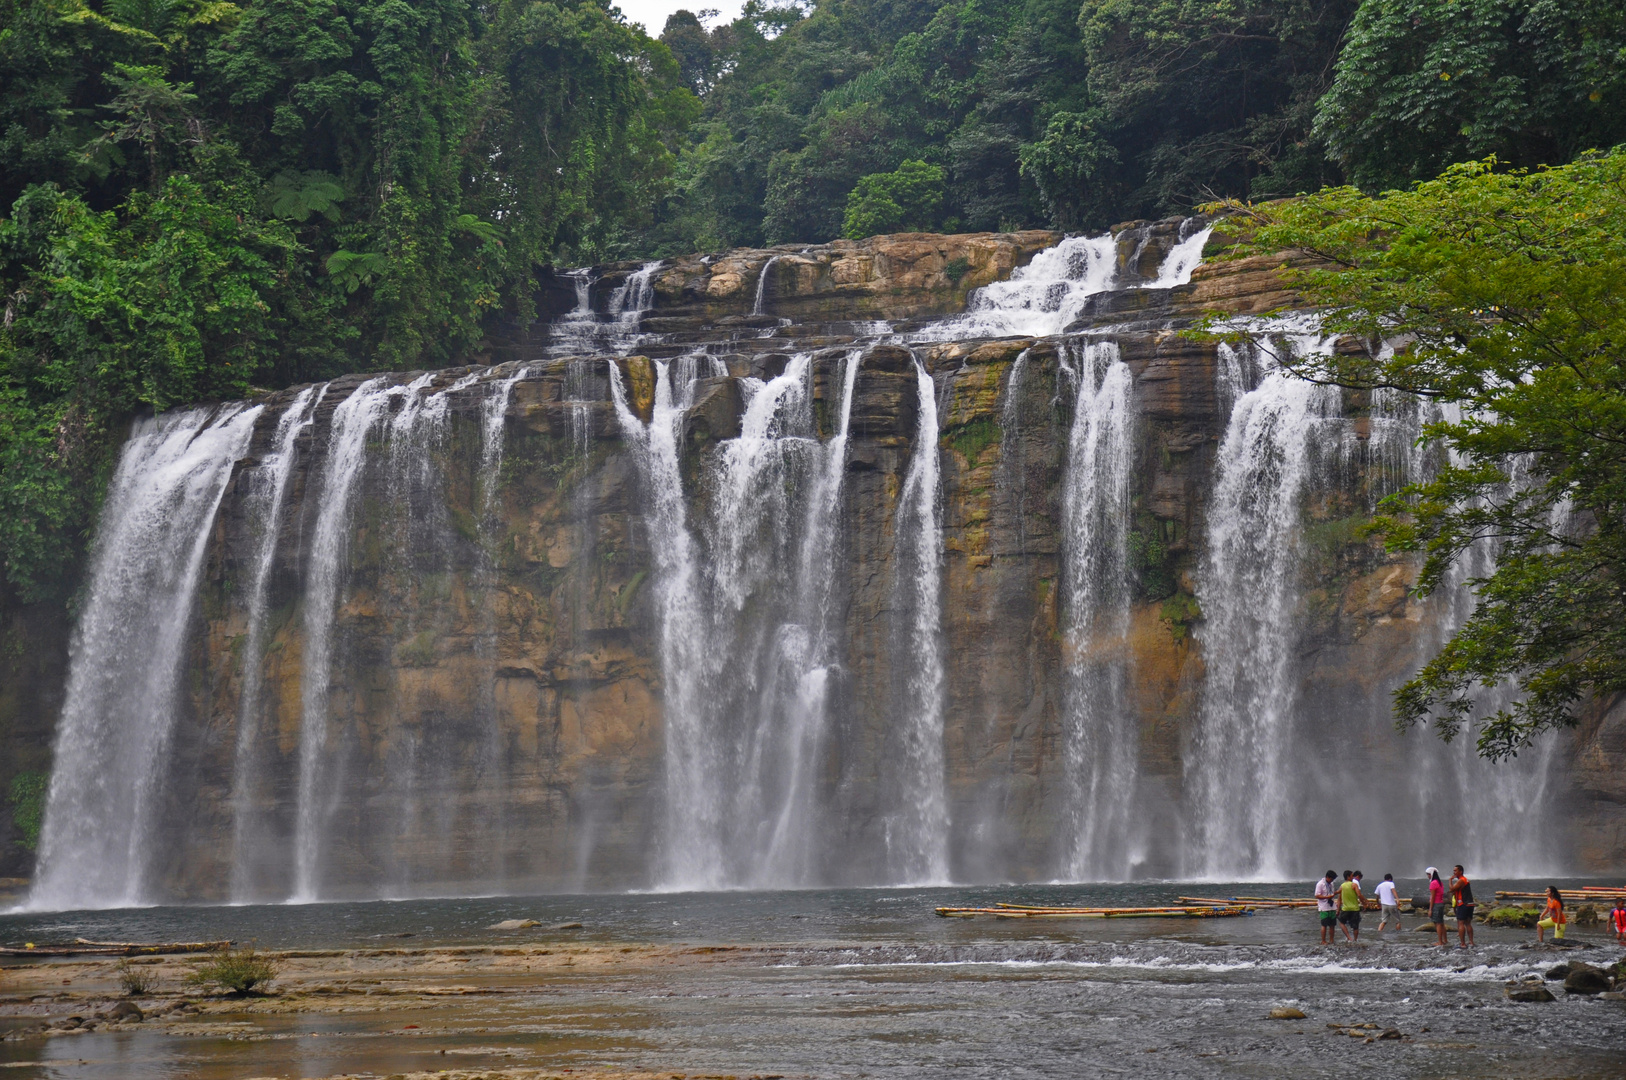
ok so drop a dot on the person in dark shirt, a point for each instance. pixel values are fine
(1462, 899)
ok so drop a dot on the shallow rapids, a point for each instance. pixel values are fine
(814, 983)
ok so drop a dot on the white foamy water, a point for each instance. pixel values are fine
(1101, 733)
(103, 841)
(1040, 298)
(249, 842)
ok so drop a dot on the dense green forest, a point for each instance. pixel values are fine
(204, 197)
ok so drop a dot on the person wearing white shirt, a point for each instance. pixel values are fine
(1390, 901)
(1326, 909)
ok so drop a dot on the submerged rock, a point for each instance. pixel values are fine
(1528, 992)
(514, 924)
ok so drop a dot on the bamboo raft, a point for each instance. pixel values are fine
(1583, 894)
(1020, 911)
(85, 947)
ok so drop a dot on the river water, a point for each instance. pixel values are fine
(854, 983)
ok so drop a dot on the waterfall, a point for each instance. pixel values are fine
(688, 857)
(1040, 298)
(354, 418)
(492, 775)
(493, 413)
(1011, 479)
(627, 306)
(917, 834)
(762, 285)
(1494, 818)
(1182, 259)
(107, 799)
(1101, 733)
(577, 329)
(582, 330)
(265, 510)
(579, 395)
(1241, 794)
(748, 643)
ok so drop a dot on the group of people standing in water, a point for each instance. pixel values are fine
(1339, 906)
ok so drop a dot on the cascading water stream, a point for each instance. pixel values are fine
(762, 285)
(270, 493)
(1242, 801)
(1495, 818)
(917, 832)
(352, 421)
(1101, 733)
(688, 857)
(1182, 259)
(746, 713)
(1040, 298)
(100, 842)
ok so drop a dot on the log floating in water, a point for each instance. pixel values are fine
(1012, 912)
(84, 947)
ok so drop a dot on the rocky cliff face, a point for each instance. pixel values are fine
(501, 668)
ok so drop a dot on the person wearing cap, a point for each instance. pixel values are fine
(1436, 904)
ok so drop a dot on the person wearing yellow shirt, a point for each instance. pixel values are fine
(1350, 902)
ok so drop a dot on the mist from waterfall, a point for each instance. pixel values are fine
(102, 841)
(1100, 730)
(1497, 818)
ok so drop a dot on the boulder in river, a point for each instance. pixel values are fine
(514, 924)
(1585, 979)
(125, 1010)
(1287, 1013)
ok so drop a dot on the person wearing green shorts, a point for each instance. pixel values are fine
(1326, 908)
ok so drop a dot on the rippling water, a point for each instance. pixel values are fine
(870, 982)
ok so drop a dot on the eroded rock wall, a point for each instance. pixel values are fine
(497, 698)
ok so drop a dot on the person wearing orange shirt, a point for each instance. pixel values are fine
(1553, 918)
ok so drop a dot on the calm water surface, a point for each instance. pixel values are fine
(870, 982)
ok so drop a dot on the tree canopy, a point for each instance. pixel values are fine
(1502, 290)
(205, 197)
